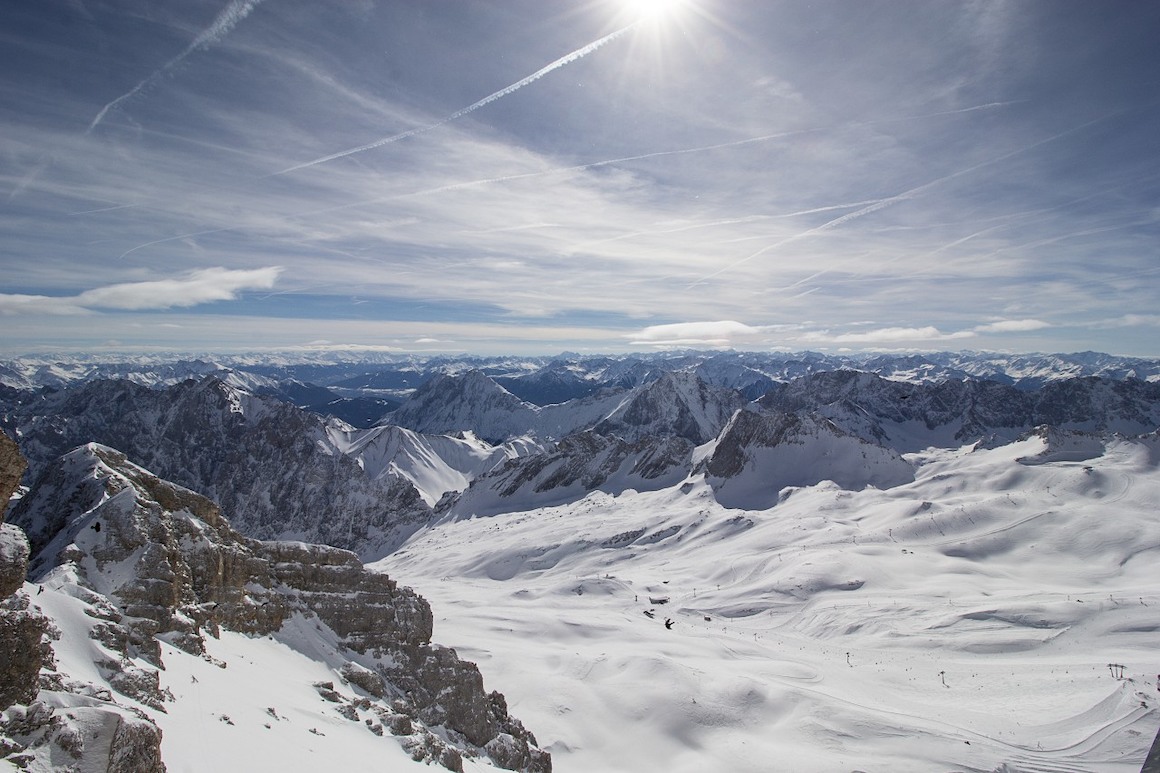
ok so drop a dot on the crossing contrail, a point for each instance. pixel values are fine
(891, 201)
(564, 60)
(221, 26)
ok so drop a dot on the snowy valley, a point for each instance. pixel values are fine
(694, 562)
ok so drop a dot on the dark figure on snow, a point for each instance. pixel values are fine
(668, 624)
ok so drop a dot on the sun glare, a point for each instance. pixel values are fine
(648, 10)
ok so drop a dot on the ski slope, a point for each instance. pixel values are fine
(965, 621)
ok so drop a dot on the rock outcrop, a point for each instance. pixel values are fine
(93, 733)
(909, 416)
(157, 562)
(21, 629)
(12, 467)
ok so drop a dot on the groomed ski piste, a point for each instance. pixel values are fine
(1000, 613)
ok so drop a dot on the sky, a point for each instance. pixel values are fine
(538, 176)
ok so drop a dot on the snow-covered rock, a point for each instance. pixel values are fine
(910, 417)
(160, 576)
(433, 464)
(572, 468)
(677, 403)
(760, 453)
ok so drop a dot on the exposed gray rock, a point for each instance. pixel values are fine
(364, 678)
(22, 650)
(576, 465)
(14, 552)
(895, 413)
(472, 401)
(759, 453)
(12, 467)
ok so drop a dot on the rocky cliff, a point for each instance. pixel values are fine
(92, 734)
(156, 564)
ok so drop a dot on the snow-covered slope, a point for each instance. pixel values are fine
(991, 615)
(433, 464)
(759, 454)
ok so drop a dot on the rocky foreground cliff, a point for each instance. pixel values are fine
(135, 579)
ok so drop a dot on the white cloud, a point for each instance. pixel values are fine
(1012, 326)
(196, 287)
(721, 333)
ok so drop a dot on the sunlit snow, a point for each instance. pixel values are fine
(964, 621)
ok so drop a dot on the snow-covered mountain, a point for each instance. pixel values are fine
(761, 453)
(678, 403)
(469, 402)
(571, 469)
(286, 473)
(272, 466)
(161, 614)
(910, 417)
(433, 464)
(550, 380)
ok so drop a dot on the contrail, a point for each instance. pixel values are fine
(891, 201)
(607, 162)
(221, 26)
(564, 60)
(467, 184)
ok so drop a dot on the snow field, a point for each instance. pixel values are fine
(964, 621)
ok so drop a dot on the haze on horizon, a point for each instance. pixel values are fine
(610, 175)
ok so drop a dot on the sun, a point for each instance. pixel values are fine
(652, 10)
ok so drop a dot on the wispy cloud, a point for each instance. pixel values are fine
(1128, 320)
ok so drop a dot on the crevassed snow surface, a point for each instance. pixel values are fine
(965, 621)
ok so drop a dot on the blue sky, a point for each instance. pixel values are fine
(514, 176)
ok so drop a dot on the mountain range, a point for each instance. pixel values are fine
(713, 448)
